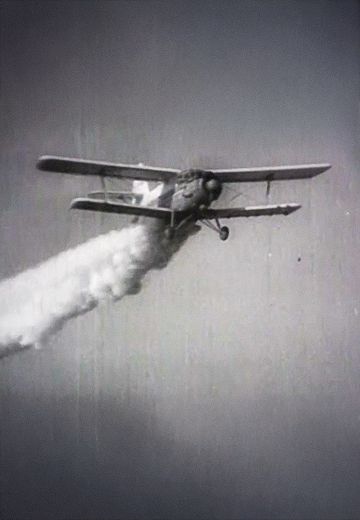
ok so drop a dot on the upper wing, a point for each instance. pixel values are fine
(250, 211)
(276, 173)
(112, 206)
(105, 169)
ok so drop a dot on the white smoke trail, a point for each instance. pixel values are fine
(37, 302)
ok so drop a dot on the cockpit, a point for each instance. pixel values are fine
(187, 176)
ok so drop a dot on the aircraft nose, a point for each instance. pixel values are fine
(213, 186)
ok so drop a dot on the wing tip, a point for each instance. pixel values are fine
(50, 162)
(78, 203)
(86, 203)
(321, 168)
(42, 161)
(290, 208)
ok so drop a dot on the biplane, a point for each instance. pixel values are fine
(181, 196)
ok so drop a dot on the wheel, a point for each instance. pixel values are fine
(170, 233)
(224, 233)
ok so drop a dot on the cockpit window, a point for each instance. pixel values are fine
(187, 176)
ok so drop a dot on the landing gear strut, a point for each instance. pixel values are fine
(222, 230)
(170, 233)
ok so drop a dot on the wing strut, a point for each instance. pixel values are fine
(268, 183)
(223, 231)
(269, 178)
(103, 184)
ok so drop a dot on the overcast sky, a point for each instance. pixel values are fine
(228, 387)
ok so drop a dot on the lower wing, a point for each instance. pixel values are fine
(250, 211)
(111, 206)
(128, 197)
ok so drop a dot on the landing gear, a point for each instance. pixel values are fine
(170, 230)
(170, 233)
(222, 230)
(224, 233)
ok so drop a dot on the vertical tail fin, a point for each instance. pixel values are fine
(150, 197)
(140, 187)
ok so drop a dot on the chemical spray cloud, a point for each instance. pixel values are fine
(36, 303)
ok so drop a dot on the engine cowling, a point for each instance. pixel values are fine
(211, 185)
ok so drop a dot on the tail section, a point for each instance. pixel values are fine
(149, 197)
(140, 187)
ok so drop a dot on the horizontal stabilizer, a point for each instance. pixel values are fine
(273, 173)
(107, 206)
(105, 169)
(250, 211)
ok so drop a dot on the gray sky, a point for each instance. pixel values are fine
(228, 387)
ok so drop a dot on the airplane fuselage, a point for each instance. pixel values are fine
(193, 189)
(181, 197)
